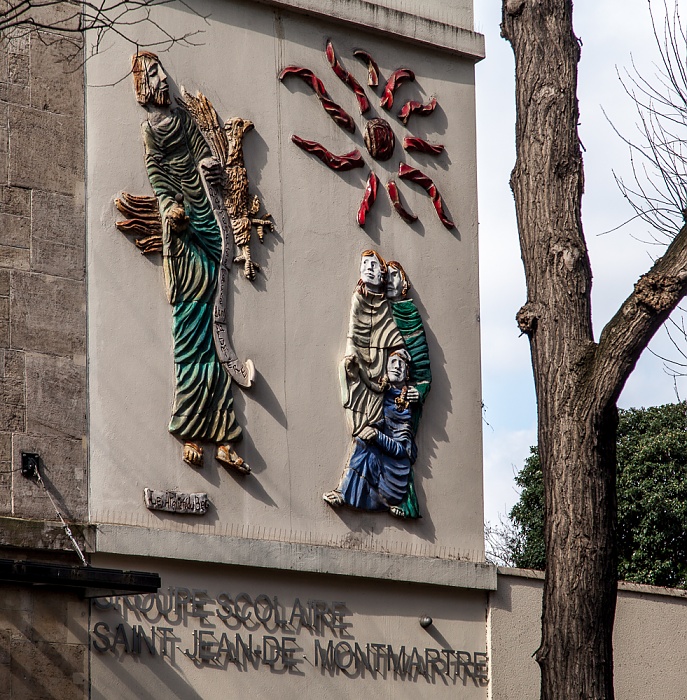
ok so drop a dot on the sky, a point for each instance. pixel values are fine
(613, 33)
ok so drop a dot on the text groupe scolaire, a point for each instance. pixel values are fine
(261, 631)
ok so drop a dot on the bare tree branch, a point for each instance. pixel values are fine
(656, 294)
(69, 19)
(659, 192)
(503, 542)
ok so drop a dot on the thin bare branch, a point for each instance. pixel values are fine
(68, 19)
(655, 296)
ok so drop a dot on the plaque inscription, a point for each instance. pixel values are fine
(174, 502)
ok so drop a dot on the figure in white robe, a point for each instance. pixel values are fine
(372, 336)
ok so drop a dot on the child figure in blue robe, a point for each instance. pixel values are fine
(378, 473)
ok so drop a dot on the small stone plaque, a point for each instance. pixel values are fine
(174, 502)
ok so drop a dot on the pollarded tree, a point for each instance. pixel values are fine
(577, 378)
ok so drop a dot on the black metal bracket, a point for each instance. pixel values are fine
(29, 464)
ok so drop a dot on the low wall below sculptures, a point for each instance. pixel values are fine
(650, 652)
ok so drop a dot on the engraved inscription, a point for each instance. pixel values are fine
(174, 502)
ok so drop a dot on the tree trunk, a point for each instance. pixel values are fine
(577, 424)
(576, 653)
(577, 381)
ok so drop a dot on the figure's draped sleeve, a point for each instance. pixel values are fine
(372, 335)
(409, 323)
(203, 404)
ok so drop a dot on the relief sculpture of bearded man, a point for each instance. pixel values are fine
(382, 403)
(180, 167)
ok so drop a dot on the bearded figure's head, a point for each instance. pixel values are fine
(150, 80)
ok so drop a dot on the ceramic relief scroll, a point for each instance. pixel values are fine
(385, 378)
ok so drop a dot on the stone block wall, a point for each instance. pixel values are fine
(43, 634)
(42, 276)
(43, 645)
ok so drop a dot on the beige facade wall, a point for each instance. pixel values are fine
(293, 321)
(458, 12)
(380, 575)
(381, 613)
(270, 536)
(650, 639)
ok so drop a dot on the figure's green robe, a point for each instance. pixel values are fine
(409, 323)
(203, 403)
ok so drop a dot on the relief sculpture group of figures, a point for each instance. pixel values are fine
(385, 378)
(200, 211)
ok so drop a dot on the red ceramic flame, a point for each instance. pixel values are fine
(348, 161)
(392, 189)
(402, 75)
(412, 143)
(405, 172)
(337, 113)
(412, 107)
(346, 77)
(372, 67)
(368, 198)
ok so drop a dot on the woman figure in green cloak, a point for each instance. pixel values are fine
(409, 323)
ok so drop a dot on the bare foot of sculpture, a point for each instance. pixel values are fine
(333, 498)
(227, 455)
(193, 454)
(397, 512)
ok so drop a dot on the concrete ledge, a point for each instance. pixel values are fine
(624, 586)
(521, 573)
(288, 556)
(44, 534)
(419, 29)
(646, 589)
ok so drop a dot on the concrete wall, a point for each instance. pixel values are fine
(650, 639)
(459, 12)
(292, 322)
(373, 612)
(42, 285)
